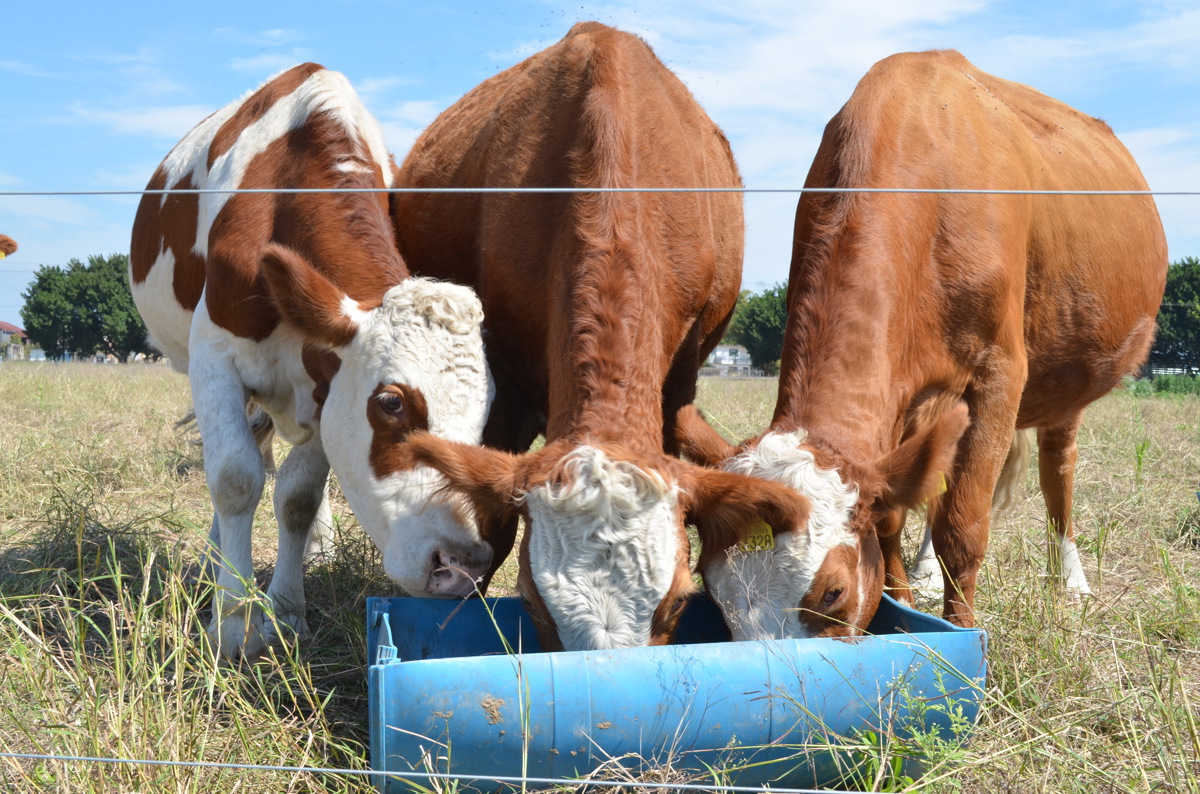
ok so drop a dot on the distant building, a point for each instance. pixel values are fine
(12, 342)
(727, 361)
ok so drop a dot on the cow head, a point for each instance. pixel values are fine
(827, 579)
(415, 362)
(605, 556)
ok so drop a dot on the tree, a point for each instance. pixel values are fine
(758, 323)
(84, 309)
(1177, 345)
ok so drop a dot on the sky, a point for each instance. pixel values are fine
(95, 95)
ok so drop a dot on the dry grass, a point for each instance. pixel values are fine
(103, 510)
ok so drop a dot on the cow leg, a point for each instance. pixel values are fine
(895, 582)
(1057, 454)
(697, 440)
(233, 467)
(962, 519)
(925, 575)
(264, 435)
(305, 528)
(960, 538)
(684, 429)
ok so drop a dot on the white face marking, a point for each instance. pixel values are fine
(759, 592)
(425, 335)
(603, 550)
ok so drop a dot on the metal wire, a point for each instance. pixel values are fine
(416, 775)
(251, 191)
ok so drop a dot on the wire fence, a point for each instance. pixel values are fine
(253, 191)
(520, 782)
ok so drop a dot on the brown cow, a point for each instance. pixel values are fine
(8, 246)
(301, 304)
(599, 308)
(906, 311)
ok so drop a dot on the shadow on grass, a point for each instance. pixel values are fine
(123, 605)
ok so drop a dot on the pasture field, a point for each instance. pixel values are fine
(104, 513)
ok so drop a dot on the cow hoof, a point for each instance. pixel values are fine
(240, 634)
(291, 624)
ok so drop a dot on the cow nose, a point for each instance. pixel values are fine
(449, 576)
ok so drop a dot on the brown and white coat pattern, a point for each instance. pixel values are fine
(599, 309)
(923, 329)
(291, 301)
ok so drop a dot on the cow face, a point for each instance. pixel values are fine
(826, 579)
(604, 560)
(413, 363)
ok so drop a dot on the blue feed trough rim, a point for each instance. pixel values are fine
(445, 696)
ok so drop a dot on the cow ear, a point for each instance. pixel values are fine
(698, 441)
(916, 470)
(306, 299)
(728, 508)
(487, 477)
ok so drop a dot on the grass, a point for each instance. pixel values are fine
(104, 512)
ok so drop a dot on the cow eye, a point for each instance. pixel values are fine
(391, 403)
(831, 597)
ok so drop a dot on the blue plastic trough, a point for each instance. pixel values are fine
(445, 696)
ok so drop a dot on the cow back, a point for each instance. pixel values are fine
(905, 293)
(305, 128)
(581, 290)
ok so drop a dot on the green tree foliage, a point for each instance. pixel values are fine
(758, 323)
(1178, 342)
(84, 309)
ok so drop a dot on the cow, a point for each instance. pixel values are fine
(599, 308)
(924, 328)
(8, 246)
(300, 303)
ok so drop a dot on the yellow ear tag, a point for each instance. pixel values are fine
(2, 254)
(761, 539)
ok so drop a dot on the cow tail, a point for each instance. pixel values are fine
(1015, 466)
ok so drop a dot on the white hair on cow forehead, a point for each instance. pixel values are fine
(427, 334)
(603, 549)
(760, 591)
(778, 457)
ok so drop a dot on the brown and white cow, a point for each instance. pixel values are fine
(907, 312)
(301, 303)
(599, 308)
(8, 246)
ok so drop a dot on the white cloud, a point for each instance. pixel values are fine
(402, 124)
(1170, 160)
(132, 177)
(420, 112)
(379, 85)
(24, 68)
(43, 212)
(271, 62)
(273, 37)
(143, 55)
(400, 137)
(171, 122)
